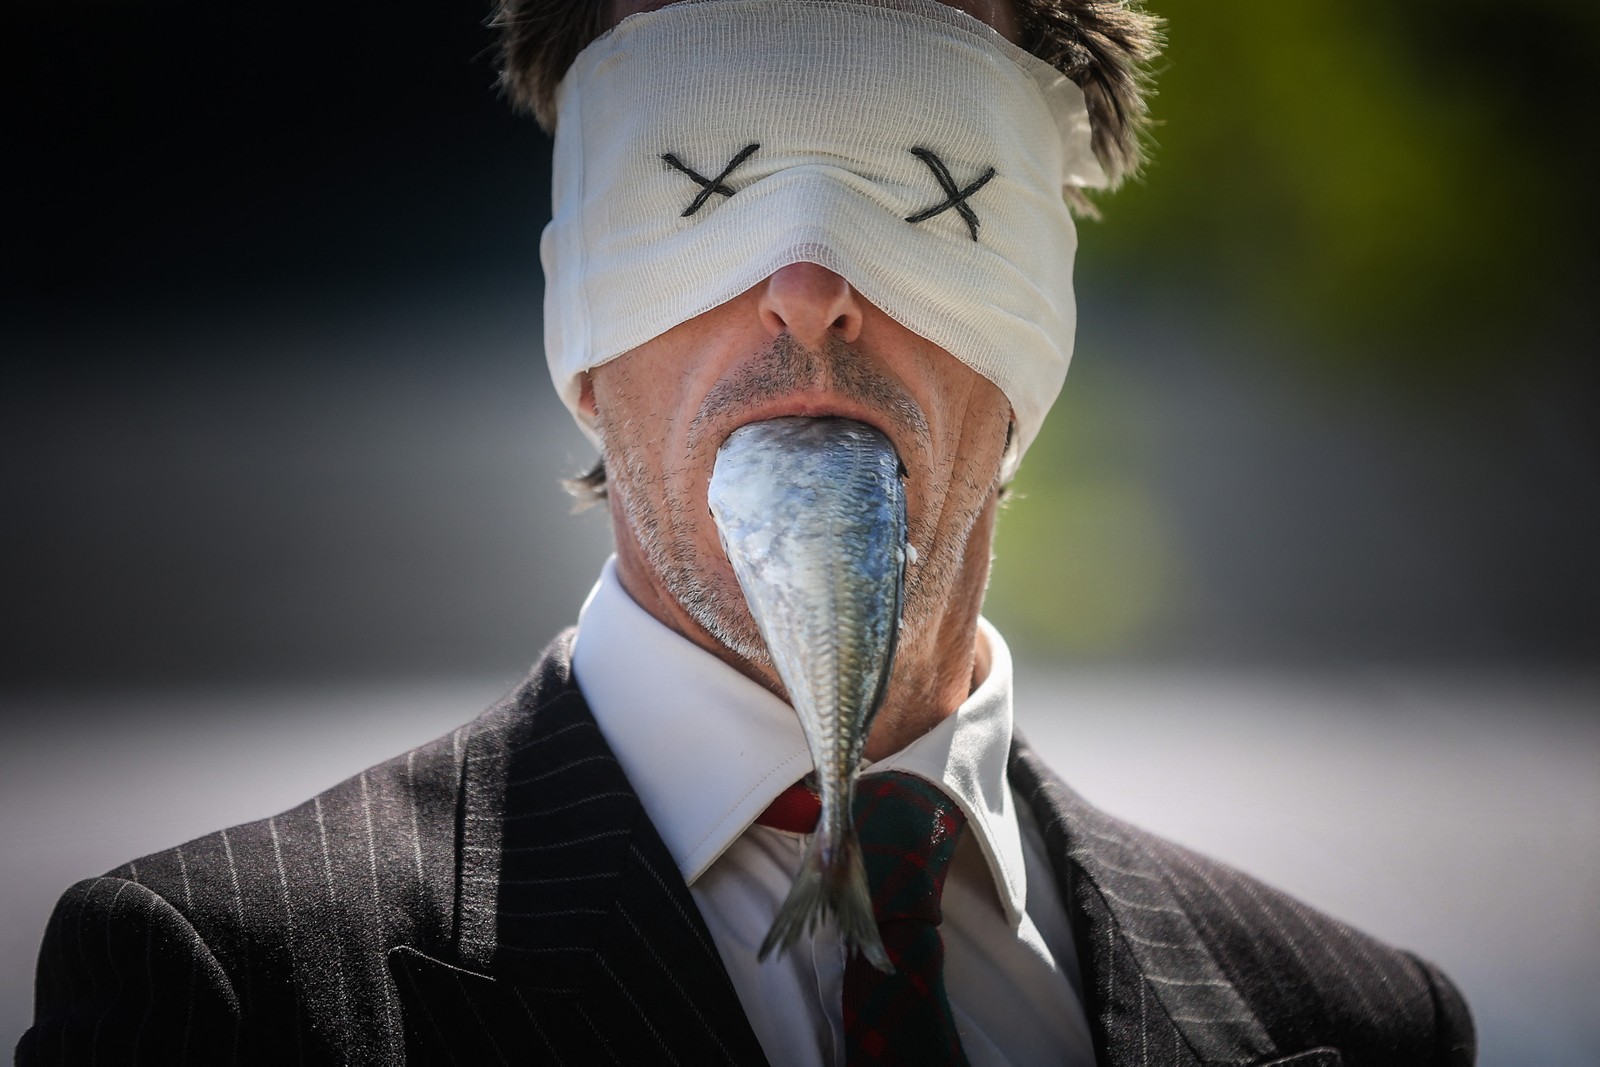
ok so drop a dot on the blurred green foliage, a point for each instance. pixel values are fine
(1398, 195)
(1083, 565)
(1404, 186)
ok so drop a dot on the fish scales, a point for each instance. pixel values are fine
(811, 512)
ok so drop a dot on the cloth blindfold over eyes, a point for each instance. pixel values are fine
(900, 143)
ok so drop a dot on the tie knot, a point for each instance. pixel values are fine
(909, 830)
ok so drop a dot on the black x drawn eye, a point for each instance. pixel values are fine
(709, 185)
(954, 197)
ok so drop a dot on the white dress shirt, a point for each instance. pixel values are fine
(707, 750)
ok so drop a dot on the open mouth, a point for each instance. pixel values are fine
(823, 408)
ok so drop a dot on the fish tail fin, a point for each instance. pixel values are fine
(837, 888)
(852, 908)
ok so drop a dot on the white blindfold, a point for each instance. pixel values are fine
(904, 145)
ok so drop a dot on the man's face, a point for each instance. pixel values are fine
(803, 342)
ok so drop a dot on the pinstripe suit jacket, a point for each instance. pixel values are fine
(500, 896)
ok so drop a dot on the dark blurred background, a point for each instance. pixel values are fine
(280, 455)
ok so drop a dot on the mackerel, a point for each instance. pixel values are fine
(812, 516)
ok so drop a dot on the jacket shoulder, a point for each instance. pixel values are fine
(376, 853)
(124, 978)
(328, 865)
(372, 859)
(273, 937)
(288, 918)
(1311, 980)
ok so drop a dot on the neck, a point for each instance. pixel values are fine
(937, 664)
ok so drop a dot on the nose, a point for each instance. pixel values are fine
(810, 303)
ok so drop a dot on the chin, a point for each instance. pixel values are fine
(718, 611)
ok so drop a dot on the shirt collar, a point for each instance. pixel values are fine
(707, 749)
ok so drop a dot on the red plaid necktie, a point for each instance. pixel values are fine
(908, 833)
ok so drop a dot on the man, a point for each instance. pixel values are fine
(762, 208)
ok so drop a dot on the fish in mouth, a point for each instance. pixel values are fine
(812, 516)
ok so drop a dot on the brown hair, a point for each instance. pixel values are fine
(1106, 46)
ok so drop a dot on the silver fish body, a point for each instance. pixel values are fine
(812, 516)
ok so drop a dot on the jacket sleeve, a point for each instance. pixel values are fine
(124, 978)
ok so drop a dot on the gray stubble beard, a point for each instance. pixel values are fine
(668, 541)
(669, 546)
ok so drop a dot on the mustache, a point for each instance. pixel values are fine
(786, 367)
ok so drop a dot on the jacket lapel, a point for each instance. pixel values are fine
(1153, 990)
(577, 935)
(578, 940)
